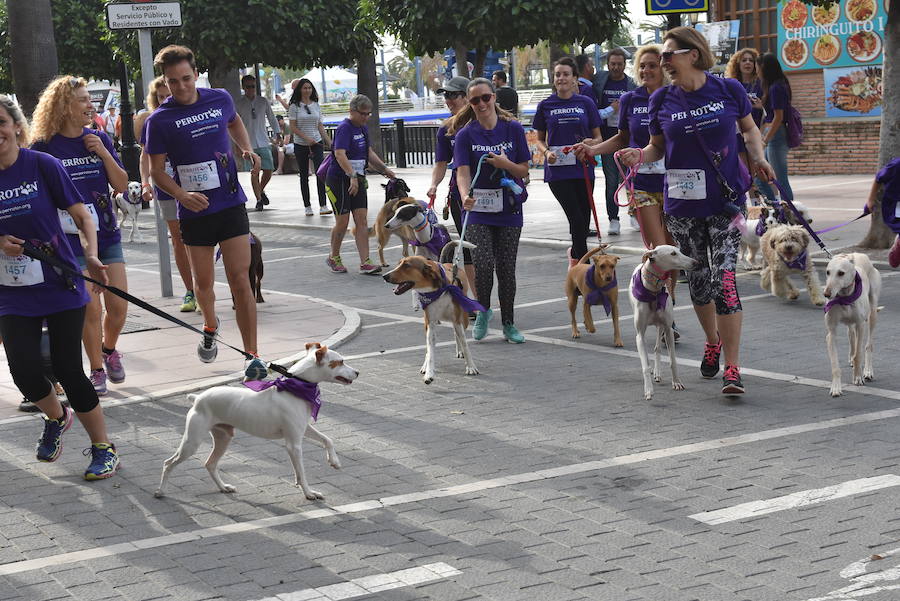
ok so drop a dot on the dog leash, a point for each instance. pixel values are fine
(801, 219)
(628, 183)
(865, 212)
(458, 256)
(589, 186)
(34, 252)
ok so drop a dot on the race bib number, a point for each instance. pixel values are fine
(563, 159)
(686, 184)
(654, 168)
(613, 120)
(20, 271)
(199, 176)
(68, 224)
(897, 211)
(488, 201)
(169, 171)
(358, 166)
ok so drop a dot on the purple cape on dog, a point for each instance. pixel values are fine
(598, 295)
(302, 390)
(850, 298)
(640, 292)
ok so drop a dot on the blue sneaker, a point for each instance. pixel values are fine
(255, 369)
(512, 334)
(104, 461)
(479, 331)
(49, 447)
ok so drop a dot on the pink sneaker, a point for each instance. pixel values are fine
(335, 264)
(98, 379)
(113, 364)
(368, 268)
(894, 255)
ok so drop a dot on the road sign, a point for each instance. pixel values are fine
(662, 7)
(144, 15)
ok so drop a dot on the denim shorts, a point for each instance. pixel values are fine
(108, 256)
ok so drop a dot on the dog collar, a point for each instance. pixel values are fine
(301, 389)
(850, 298)
(640, 292)
(598, 294)
(422, 225)
(797, 263)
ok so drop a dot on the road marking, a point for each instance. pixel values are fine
(864, 583)
(437, 493)
(797, 499)
(371, 584)
(852, 182)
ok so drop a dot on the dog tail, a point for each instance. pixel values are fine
(587, 256)
(191, 398)
(449, 250)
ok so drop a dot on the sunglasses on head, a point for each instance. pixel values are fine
(452, 95)
(476, 100)
(364, 113)
(667, 55)
(308, 112)
(253, 112)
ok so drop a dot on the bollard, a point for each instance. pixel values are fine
(399, 144)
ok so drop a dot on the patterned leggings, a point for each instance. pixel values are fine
(712, 242)
(497, 247)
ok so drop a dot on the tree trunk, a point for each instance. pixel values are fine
(32, 49)
(879, 235)
(222, 75)
(556, 53)
(367, 83)
(462, 64)
(480, 57)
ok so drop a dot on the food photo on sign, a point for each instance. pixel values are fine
(853, 91)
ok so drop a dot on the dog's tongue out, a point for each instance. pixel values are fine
(402, 287)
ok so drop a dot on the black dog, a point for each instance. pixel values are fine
(395, 188)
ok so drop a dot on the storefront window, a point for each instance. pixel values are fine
(759, 25)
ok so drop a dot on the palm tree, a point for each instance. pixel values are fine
(32, 49)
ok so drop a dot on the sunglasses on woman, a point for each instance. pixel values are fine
(476, 100)
(453, 95)
(668, 54)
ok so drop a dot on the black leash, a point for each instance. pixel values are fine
(802, 220)
(34, 252)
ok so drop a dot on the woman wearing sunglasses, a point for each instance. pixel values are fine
(692, 125)
(454, 92)
(491, 157)
(305, 122)
(562, 120)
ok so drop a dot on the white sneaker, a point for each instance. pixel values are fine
(309, 212)
(614, 227)
(635, 224)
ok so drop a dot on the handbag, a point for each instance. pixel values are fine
(322, 171)
(794, 127)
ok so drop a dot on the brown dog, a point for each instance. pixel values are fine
(256, 267)
(405, 233)
(604, 284)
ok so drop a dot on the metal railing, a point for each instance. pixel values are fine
(406, 145)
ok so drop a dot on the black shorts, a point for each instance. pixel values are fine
(338, 190)
(209, 230)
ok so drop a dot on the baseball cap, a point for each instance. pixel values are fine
(457, 84)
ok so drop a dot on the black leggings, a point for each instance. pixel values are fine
(22, 339)
(496, 248)
(302, 153)
(573, 198)
(456, 213)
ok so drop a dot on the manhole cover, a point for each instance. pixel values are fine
(133, 326)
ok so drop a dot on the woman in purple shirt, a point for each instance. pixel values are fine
(34, 187)
(777, 101)
(690, 119)
(743, 67)
(493, 194)
(562, 120)
(60, 129)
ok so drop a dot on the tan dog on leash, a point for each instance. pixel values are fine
(602, 284)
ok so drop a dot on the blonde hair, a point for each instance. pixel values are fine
(690, 38)
(52, 109)
(733, 69)
(152, 89)
(639, 55)
(467, 114)
(18, 118)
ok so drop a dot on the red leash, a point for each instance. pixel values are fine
(589, 186)
(628, 184)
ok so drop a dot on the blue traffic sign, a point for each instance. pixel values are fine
(661, 7)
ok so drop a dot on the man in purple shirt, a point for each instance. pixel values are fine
(194, 128)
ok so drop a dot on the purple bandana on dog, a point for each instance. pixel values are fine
(760, 226)
(797, 263)
(640, 292)
(439, 239)
(465, 303)
(850, 298)
(301, 389)
(598, 295)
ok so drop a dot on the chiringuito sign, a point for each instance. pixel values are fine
(143, 15)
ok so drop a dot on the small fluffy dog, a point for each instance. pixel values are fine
(440, 303)
(274, 412)
(784, 251)
(129, 206)
(756, 227)
(652, 305)
(854, 286)
(594, 278)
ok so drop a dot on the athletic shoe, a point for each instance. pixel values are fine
(614, 227)
(479, 331)
(27, 406)
(635, 224)
(309, 212)
(572, 261)
(709, 367)
(259, 206)
(368, 268)
(114, 369)
(512, 334)
(675, 332)
(265, 198)
(49, 446)
(104, 461)
(98, 379)
(255, 369)
(894, 255)
(189, 302)
(336, 264)
(731, 381)
(325, 211)
(207, 348)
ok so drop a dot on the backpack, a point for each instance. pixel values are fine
(794, 127)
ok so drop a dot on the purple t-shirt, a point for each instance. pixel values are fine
(692, 188)
(195, 138)
(614, 90)
(89, 176)
(565, 122)
(353, 139)
(443, 152)
(754, 91)
(777, 101)
(472, 142)
(586, 88)
(31, 191)
(160, 195)
(635, 121)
